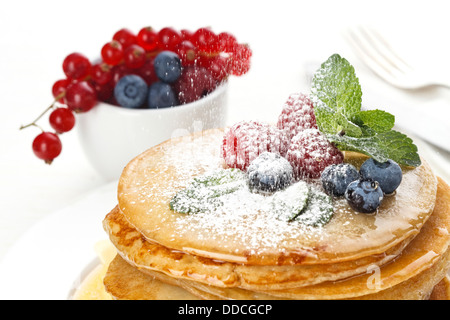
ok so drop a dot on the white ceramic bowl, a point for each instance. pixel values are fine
(111, 136)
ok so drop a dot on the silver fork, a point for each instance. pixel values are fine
(379, 56)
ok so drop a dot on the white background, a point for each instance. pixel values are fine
(287, 38)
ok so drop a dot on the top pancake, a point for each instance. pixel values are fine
(248, 236)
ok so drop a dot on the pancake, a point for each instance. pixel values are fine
(152, 256)
(251, 237)
(442, 290)
(427, 251)
(418, 287)
(411, 275)
(124, 282)
(414, 288)
(242, 252)
(423, 251)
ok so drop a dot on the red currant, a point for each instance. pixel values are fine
(125, 37)
(62, 120)
(147, 72)
(104, 92)
(134, 56)
(240, 60)
(76, 66)
(47, 146)
(112, 53)
(187, 52)
(59, 88)
(239, 68)
(120, 71)
(226, 42)
(101, 73)
(203, 60)
(219, 67)
(207, 60)
(147, 38)
(168, 38)
(205, 40)
(81, 97)
(242, 50)
(186, 34)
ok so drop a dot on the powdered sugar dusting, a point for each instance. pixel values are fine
(196, 158)
(247, 229)
(250, 220)
(247, 220)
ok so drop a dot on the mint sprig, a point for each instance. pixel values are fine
(336, 94)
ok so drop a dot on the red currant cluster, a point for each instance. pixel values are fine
(128, 53)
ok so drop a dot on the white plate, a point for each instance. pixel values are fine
(49, 261)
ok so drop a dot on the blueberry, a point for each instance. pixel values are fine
(167, 66)
(131, 91)
(268, 173)
(364, 196)
(161, 95)
(388, 174)
(336, 177)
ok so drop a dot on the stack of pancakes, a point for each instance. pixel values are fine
(401, 252)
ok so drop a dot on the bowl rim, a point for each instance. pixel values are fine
(191, 105)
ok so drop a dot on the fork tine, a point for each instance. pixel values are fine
(385, 49)
(370, 50)
(366, 53)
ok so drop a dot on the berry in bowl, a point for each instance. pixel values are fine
(146, 88)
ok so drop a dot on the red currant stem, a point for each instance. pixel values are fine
(210, 54)
(31, 124)
(57, 98)
(153, 53)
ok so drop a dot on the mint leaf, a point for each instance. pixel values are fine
(335, 122)
(290, 202)
(336, 94)
(204, 192)
(318, 211)
(303, 204)
(219, 177)
(376, 120)
(381, 146)
(336, 87)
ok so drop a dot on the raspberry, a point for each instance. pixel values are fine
(310, 153)
(194, 83)
(246, 140)
(297, 115)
